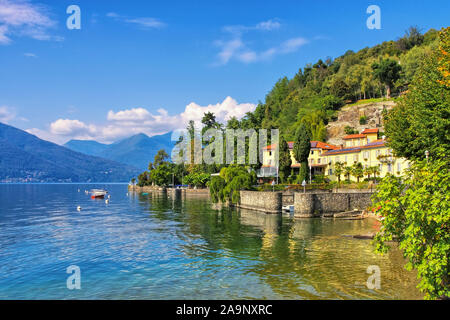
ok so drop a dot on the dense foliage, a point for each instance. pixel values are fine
(416, 211)
(302, 148)
(416, 207)
(231, 180)
(317, 91)
(421, 121)
(284, 160)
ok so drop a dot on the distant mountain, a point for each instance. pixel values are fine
(26, 158)
(136, 151)
(88, 147)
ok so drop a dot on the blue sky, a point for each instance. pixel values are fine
(151, 65)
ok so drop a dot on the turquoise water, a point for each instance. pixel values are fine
(155, 247)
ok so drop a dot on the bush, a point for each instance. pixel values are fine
(363, 120)
(350, 130)
(416, 211)
(232, 179)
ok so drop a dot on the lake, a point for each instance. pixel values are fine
(156, 247)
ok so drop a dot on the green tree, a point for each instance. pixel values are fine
(285, 161)
(421, 119)
(416, 211)
(347, 172)
(413, 37)
(302, 148)
(160, 158)
(338, 170)
(367, 171)
(357, 171)
(162, 174)
(387, 71)
(375, 170)
(232, 179)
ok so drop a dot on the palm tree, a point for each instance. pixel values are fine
(375, 171)
(367, 172)
(347, 172)
(338, 170)
(357, 170)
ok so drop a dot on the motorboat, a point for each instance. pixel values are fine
(98, 193)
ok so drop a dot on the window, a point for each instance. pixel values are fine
(330, 172)
(399, 167)
(312, 152)
(318, 161)
(270, 153)
(355, 158)
(337, 159)
(366, 155)
(377, 153)
(345, 159)
(389, 167)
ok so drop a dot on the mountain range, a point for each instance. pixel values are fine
(26, 158)
(136, 151)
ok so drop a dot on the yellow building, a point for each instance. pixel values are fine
(365, 148)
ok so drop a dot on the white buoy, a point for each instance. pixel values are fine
(78, 208)
(106, 201)
(109, 196)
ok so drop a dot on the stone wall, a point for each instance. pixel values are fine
(269, 202)
(310, 204)
(169, 190)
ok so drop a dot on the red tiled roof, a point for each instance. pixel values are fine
(367, 131)
(323, 145)
(354, 136)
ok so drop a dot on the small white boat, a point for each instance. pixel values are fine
(288, 208)
(98, 193)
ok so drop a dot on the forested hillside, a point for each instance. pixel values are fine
(318, 90)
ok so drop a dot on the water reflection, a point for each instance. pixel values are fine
(159, 246)
(305, 258)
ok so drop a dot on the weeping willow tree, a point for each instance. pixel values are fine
(231, 180)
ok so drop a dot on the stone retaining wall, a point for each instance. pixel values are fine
(309, 204)
(269, 202)
(160, 189)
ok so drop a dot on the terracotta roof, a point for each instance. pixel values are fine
(354, 136)
(367, 131)
(323, 145)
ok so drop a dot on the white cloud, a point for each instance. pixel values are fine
(147, 22)
(30, 55)
(143, 22)
(6, 114)
(129, 115)
(22, 18)
(64, 127)
(236, 49)
(268, 25)
(124, 123)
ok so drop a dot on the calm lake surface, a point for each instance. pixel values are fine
(156, 247)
